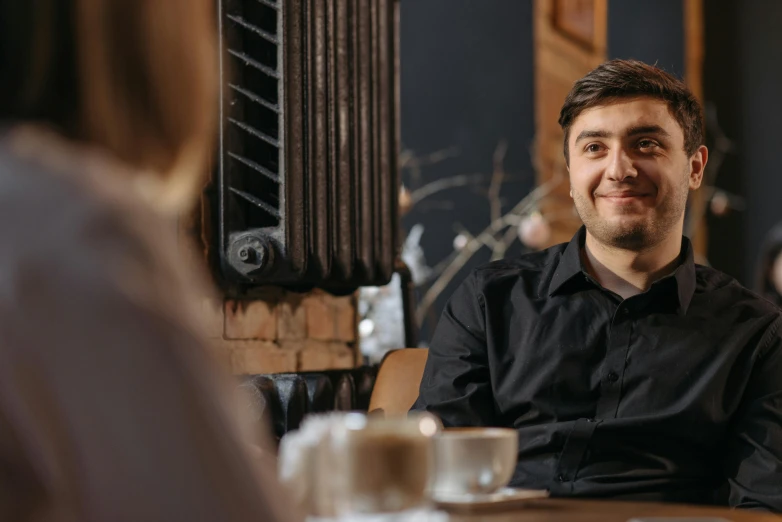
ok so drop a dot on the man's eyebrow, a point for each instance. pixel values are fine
(592, 134)
(647, 129)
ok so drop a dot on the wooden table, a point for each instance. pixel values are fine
(561, 510)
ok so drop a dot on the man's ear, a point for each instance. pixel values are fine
(698, 166)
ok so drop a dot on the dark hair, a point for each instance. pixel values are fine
(618, 79)
(135, 78)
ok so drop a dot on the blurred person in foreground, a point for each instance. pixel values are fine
(110, 408)
(628, 371)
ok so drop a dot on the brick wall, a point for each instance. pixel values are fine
(277, 330)
(284, 331)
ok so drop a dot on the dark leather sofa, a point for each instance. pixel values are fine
(283, 399)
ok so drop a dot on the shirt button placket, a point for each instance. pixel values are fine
(614, 363)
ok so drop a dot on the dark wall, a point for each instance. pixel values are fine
(466, 83)
(760, 69)
(652, 32)
(743, 79)
(721, 89)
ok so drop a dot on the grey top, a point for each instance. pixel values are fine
(110, 408)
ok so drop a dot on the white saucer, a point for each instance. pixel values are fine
(483, 500)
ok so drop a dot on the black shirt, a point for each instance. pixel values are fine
(674, 394)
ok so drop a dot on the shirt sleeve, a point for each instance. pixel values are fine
(109, 408)
(456, 385)
(754, 459)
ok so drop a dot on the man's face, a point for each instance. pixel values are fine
(629, 173)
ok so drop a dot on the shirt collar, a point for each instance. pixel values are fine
(570, 267)
(685, 276)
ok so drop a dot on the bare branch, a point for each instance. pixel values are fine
(442, 184)
(440, 155)
(497, 177)
(412, 163)
(489, 242)
(459, 229)
(426, 206)
(408, 159)
(510, 237)
(487, 236)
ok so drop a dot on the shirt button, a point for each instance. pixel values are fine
(625, 311)
(590, 420)
(612, 377)
(561, 478)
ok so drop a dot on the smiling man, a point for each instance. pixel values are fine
(628, 370)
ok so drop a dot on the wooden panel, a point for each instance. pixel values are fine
(570, 41)
(693, 75)
(693, 51)
(576, 19)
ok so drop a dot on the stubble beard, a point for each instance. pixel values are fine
(635, 234)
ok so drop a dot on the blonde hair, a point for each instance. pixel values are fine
(137, 78)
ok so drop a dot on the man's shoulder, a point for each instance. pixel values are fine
(529, 266)
(710, 282)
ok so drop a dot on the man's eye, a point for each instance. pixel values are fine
(593, 147)
(646, 144)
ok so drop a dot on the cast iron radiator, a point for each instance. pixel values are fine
(307, 168)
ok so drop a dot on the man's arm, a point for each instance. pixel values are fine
(456, 385)
(754, 461)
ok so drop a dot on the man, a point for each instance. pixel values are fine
(628, 371)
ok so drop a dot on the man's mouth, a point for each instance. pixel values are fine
(623, 196)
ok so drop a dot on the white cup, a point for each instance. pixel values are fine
(473, 461)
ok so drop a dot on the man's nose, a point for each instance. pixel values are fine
(620, 166)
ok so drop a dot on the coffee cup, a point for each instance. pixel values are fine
(380, 465)
(473, 461)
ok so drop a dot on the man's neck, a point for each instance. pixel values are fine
(629, 272)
